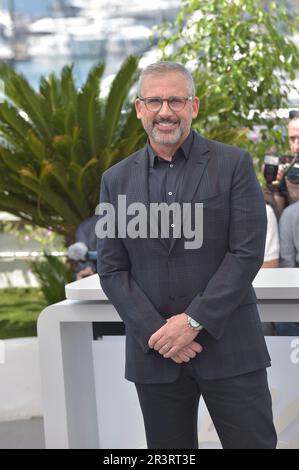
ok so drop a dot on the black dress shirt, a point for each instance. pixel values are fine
(166, 177)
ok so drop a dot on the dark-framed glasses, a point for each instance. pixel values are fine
(175, 103)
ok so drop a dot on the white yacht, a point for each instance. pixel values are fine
(107, 30)
(67, 36)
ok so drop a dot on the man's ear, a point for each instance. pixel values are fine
(138, 108)
(195, 107)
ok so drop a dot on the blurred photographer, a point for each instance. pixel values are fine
(83, 252)
(282, 173)
(282, 178)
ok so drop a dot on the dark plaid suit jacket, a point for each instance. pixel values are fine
(148, 281)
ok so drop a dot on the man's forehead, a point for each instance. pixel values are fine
(169, 80)
(294, 127)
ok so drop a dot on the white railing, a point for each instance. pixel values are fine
(25, 255)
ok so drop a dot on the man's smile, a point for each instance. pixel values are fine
(166, 125)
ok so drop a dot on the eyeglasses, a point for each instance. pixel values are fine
(175, 103)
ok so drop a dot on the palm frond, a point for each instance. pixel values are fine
(118, 94)
(12, 118)
(17, 88)
(89, 111)
(56, 143)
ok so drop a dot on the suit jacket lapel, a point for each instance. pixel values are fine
(196, 165)
(140, 177)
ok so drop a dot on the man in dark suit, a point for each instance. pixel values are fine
(192, 325)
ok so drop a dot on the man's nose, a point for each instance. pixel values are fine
(165, 110)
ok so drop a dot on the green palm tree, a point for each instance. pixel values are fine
(56, 143)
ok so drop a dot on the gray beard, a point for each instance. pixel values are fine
(166, 139)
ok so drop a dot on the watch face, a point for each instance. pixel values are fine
(193, 323)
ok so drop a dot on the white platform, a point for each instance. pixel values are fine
(278, 283)
(88, 404)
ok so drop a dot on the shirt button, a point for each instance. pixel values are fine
(172, 225)
(171, 165)
(170, 193)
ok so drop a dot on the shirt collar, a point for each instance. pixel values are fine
(184, 149)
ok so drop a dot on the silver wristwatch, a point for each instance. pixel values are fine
(194, 324)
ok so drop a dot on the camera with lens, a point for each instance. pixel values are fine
(271, 163)
(288, 163)
(288, 186)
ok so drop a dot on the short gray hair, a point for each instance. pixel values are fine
(294, 115)
(165, 67)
